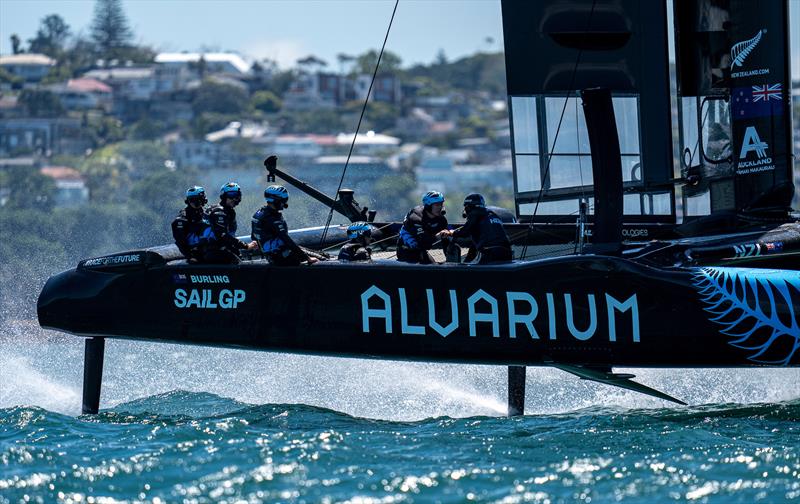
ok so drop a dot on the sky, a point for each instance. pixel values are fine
(286, 30)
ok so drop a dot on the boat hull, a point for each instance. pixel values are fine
(582, 310)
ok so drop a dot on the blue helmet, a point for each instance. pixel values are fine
(277, 194)
(432, 197)
(230, 190)
(195, 194)
(358, 230)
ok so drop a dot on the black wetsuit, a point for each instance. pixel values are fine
(226, 246)
(488, 236)
(355, 251)
(272, 234)
(417, 236)
(192, 232)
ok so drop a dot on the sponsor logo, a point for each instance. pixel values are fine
(747, 250)
(752, 143)
(520, 310)
(634, 233)
(207, 298)
(209, 279)
(740, 52)
(113, 260)
(757, 101)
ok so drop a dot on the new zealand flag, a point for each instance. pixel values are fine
(757, 101)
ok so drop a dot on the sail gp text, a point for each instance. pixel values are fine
(207, 298)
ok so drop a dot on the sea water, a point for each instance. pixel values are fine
(194, 424)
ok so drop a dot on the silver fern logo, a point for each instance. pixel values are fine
(755, 308)
(741, 50)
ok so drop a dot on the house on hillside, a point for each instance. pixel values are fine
(84, 94)
(30, 67)
(197, 64)
(42, 136)
(71, 189)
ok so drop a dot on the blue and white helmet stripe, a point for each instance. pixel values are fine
(276, 193)
(432, 197)
(358, 229)
(231, 189)
(196, 192)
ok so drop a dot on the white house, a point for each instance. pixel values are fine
(30, 67)
(229, 63)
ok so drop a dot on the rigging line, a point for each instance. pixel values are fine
(558, 129)
(358, 126)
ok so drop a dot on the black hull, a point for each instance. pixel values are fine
(589, 311)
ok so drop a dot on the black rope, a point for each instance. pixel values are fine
(358, 127)
(558, 129)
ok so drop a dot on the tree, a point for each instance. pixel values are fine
(29, 189)
(110, 30)
(41, 103)
(15, 44)
(51, 37)
(220, 98)
(266, 101)
(390, 62)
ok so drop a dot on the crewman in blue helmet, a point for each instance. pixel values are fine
(419, 230)
(226, 248)
(191, 228)
(486, 230)
(357, 249)
(271, 233)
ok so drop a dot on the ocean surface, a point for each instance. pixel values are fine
(193, 424)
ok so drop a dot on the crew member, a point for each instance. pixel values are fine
(419, 230)
(271, 233)
(360, 235)
(486, 230)
(226, 247)
(191, 228)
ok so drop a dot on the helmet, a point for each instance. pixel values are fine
(195, 194)
(230, 190)
(277, 194)
(358, 230)
(474, 200)
(432, 197)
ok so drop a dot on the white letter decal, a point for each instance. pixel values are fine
(551, 315)
(453, 325)
(367, 313)
(514, 318)
(404, 327)
(588, 333)
(483, 317)
(630, 304)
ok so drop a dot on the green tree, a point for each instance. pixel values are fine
(15, 44)
(29, 189)
(220, 98)
(103, 129)
(266, 101)
(390, 62)
(51, 37)
(41, 103)
(107, 177)
(110, 30)
(163, 191)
